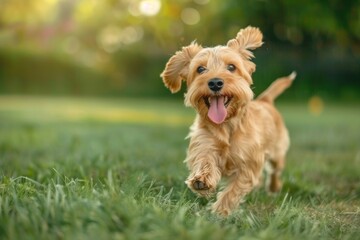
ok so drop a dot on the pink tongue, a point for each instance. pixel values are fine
(217, 111)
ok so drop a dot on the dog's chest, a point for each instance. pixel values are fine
(234, 150)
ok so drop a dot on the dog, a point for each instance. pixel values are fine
(233, 136)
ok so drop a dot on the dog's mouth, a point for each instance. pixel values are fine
(226, 100)
(217, 105)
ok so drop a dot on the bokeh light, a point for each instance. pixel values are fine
(150, 7)
(316, 105)
(68, 36)
(190, 16)
(111, 38)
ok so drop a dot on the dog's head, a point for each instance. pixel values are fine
(219, 78)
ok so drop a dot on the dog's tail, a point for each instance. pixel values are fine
(276, 88)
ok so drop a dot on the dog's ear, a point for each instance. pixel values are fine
(247, 39)
(177, 68)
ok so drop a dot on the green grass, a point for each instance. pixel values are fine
(113, 169)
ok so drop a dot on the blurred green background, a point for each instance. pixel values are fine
(110, 48)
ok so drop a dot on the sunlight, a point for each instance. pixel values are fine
(125, 115)
(150, 7)
(75, 110)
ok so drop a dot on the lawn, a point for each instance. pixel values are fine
(113, 169)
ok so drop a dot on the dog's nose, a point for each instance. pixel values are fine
(215, 84)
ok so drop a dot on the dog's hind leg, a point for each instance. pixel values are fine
(276, 158)
(276, 163)
(274, 182)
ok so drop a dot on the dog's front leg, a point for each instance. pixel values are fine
(240, 184)
(202, 160)
(204, 176)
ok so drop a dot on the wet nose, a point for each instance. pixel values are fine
(215, 84)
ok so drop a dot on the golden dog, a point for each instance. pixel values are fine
(232, 136)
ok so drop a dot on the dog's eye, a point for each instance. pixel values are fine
(201, 69)
(231, 67)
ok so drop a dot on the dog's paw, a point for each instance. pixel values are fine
(200, 185)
